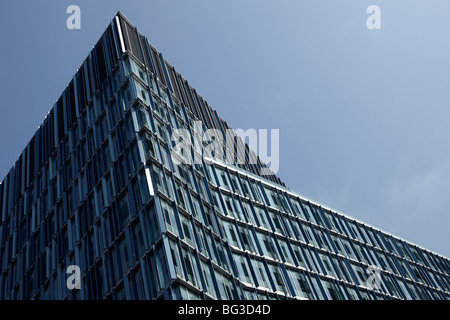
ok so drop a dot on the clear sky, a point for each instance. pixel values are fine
(363, 114)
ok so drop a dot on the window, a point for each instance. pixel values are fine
(262, 218)
(151, 225)
(262, 276)
(147, 144)
(143, 188)
(175, 258)
(189, 269)
(124, 212)
(169, 217)
(236, 186)
(286, 252)
(69, 202)
(120, 293)
(333, 291)
(100, 199)
(223, 179)
(247, 239)
(138, 239)
(141, 115)
(268, 248)
(157, 107)
(159, 179)
(138, 285)
(161, 130)
(225, 287)
(278, 278)
(123, 255)
(208, 278)
(256, 191)
(187, 229)
(109, 190)
(276, 222)
(73, 232)
(180, 195)
(231, 234)
(241, 264)
(328, 265)
(229, 202)
(183, 172)
(300, 257)
(301, 285)
(127, 98)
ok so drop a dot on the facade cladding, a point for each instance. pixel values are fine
(97, 187)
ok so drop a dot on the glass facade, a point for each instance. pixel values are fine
(98, 187)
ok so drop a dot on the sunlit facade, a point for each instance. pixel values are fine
(98, 186)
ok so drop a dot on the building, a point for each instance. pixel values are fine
(99, 186)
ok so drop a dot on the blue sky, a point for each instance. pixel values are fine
(363, 114)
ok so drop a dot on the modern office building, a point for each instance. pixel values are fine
(101, 186)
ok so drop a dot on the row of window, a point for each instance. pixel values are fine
(317, 216)
(294, 218)
(80, 200)
(311, 231)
